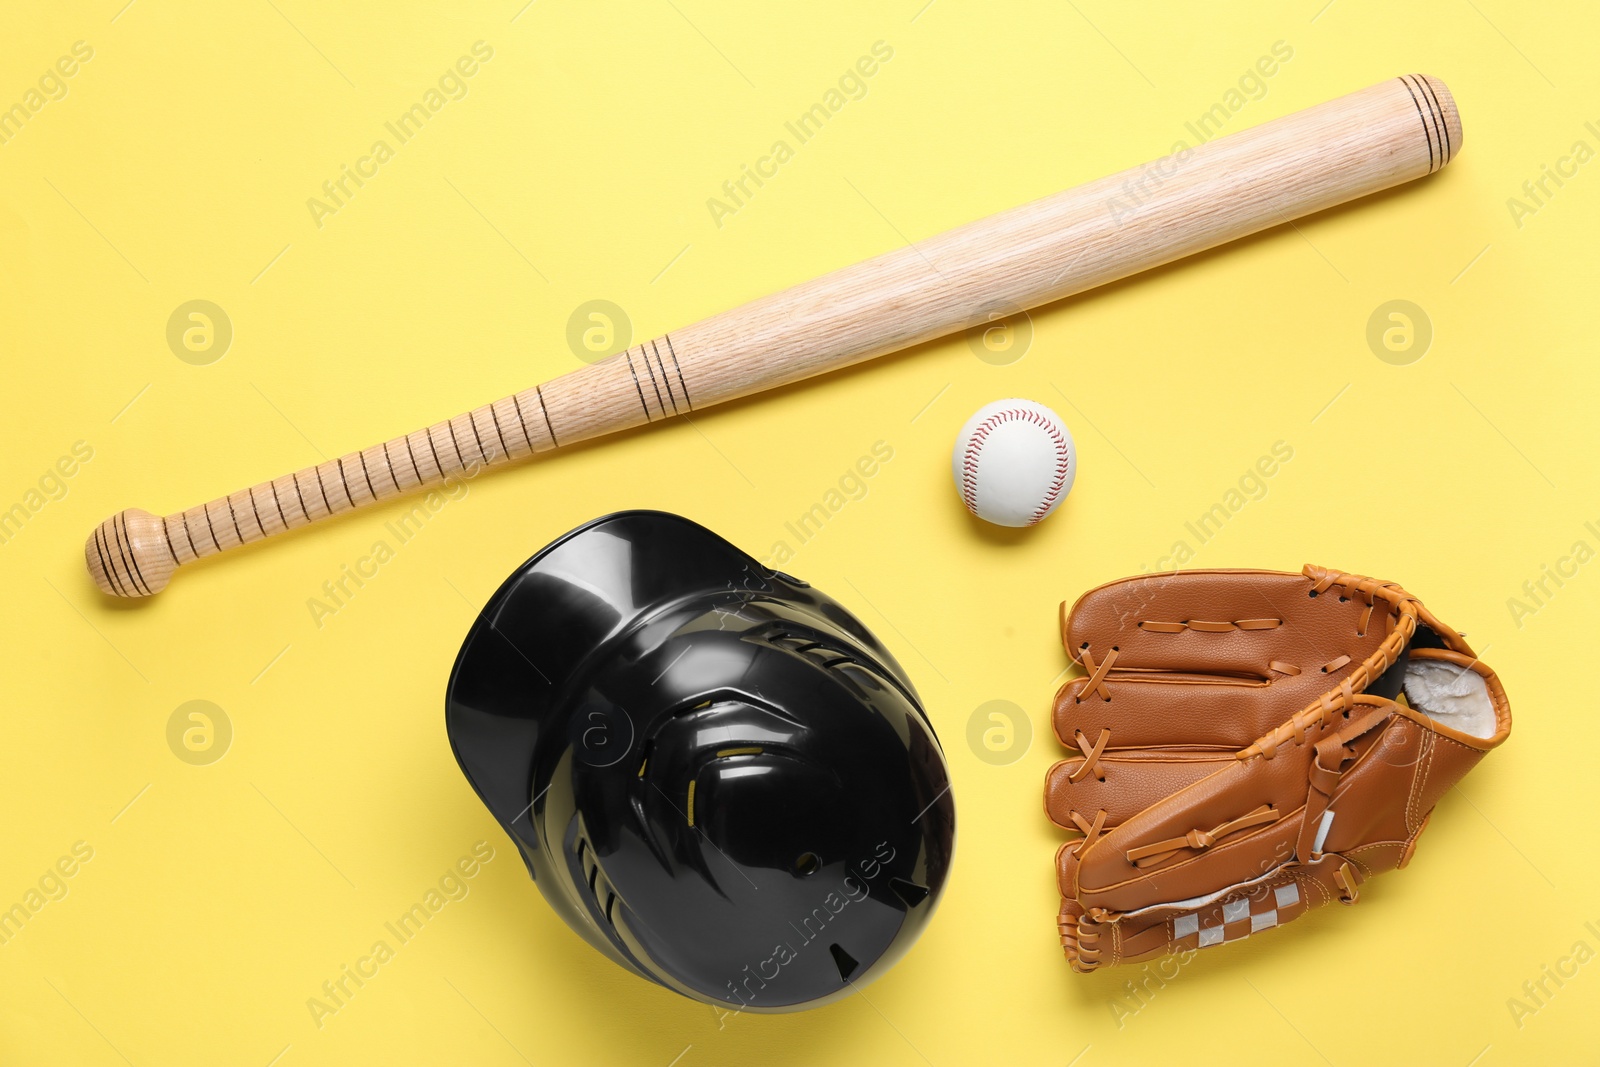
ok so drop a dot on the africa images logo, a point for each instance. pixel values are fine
(810, 927)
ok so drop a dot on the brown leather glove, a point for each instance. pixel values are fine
(1251, 744)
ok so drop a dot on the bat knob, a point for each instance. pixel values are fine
(128, 554)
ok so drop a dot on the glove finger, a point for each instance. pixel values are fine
(1123, 785)
(1079, 937)
(1236, 622)
(1143, 710)
(1112, 875)
(1132, 939)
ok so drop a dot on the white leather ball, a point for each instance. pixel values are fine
(1014, 461)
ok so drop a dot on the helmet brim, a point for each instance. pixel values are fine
(504, 701)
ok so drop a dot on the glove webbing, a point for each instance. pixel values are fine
(1403, 613)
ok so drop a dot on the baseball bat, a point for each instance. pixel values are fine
(1194, 199)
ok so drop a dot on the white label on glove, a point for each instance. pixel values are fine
(1322, 832)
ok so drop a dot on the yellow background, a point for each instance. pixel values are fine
(577, 167)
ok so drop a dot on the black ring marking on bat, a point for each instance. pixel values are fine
(629, 355)
(255, 509)
(538, 391)
(211, 527)
(687, 402)
(1434, 115)
(415, 470)
(1449, 149)
(437, 466)
(362, 456)
(105, 563)
(125, 545)
(279, 505)
(124, 554)
(450, 424)
(665, 380)
(189, 535)
(322, 487)
(344, 483)
(166, 531)
(522, 423)
(1426, 134)
(495, 415)
(645, 356)
(125, 550)
(388, 465)
(235, 517)
(110, 554)
(483, 454)
(298, 493)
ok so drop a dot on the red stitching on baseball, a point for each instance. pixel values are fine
(969, 457)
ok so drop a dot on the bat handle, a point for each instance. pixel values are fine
(134, 553)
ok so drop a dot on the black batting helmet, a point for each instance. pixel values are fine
(716, 774)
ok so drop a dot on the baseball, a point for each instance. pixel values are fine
(1013, 462)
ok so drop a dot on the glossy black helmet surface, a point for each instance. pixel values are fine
(716, 774)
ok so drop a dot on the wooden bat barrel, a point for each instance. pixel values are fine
(1175, 206)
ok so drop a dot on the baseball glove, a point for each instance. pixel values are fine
(1250, 744)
